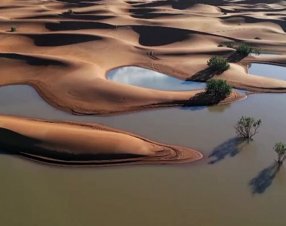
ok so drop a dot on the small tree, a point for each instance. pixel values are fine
(218, 63)
(244, 50)
(13, 29)
(218, 88)
(70, 12)
(247, 127)
(280, 149)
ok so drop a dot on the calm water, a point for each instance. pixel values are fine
(151, 79)
(200, 194)
(271, 71)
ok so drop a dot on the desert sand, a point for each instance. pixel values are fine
(65, 48)
(84, 144)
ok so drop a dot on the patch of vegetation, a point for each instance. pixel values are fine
(244, 50)
(13, 29)
(218, 88)
(69, 12)
(218, 63)
(280, 149)
(247, 127)
(228, 44)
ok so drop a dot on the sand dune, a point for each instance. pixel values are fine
(84, 144)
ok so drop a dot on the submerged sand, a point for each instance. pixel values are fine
(65, 55)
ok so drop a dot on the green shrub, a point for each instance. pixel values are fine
(68, 12)
(218, 63)
(244, 50)
(280, 150)
(13, 29)
(247, 127)
(218, 88)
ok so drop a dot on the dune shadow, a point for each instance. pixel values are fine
(86, 16)
(230, 148)
(77, 25)
(152, 35)
(263, 180)
(62, 39)
(184, 4)
(13, 143)
(31, 60)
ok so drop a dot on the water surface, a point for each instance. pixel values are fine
(200, 194)
(268, 70)
(151, 79)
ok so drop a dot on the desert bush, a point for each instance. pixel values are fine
(218, 63)
(244, 50)
(68, 12)
(218, 88)
(280, 149)
(13, 29)
(247, 127)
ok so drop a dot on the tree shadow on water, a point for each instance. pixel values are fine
(230, 148)
(263, 180)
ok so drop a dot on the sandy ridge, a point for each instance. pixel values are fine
(69, 143)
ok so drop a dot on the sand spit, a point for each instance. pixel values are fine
(67, 143)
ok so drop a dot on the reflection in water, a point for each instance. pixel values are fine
(151, 79)
(268, 70)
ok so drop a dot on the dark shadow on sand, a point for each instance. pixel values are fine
(209, 72)
(13, 143)
(35, 61)
(62, 39)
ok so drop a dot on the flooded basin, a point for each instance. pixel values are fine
(268, 70)
(151, 79)
(233, 187)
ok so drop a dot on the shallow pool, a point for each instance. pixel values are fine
(268, 70)
(151, 79)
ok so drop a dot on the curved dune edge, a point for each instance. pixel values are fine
(82, 88)
(69, 143)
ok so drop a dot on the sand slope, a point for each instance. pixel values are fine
(84, 144)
